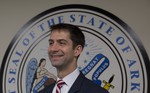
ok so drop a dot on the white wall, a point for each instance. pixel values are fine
(15, 13)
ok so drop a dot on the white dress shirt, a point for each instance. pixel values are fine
(69, 80)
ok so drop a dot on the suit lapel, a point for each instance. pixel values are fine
(77, 84)
(49, 89)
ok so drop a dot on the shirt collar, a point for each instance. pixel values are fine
(70, 79)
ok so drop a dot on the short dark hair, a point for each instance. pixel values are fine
(76, 34)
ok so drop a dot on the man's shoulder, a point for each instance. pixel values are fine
(92, 87)
(48, 88)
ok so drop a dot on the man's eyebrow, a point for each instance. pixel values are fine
(58, 40)
(50, 40)
(63, 40)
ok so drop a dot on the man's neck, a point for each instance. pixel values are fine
(62, 73)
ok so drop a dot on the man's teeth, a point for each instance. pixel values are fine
(56, 55)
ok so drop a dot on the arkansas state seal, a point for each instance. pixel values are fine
(113, 57)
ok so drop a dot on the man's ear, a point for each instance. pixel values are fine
(78, 50)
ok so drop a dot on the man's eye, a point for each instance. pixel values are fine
(50, 42)
(62, 43)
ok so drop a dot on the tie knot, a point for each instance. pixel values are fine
(60, 83)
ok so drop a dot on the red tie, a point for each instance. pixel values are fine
(60, 83)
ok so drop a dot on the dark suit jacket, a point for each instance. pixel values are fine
(81, 85)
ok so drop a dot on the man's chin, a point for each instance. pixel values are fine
(56, 64)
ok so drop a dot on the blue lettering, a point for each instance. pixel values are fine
(19, 53)
(26, 42)
(134, 74)
(11, 80)
(72, 18)
(120, 40)
(15, 62)
(126, 49)
(131, 62)
(102, 24)
(110, 30)
(89, 67)
(32, 34)
(101, 68)
(81, 18)
(135, 86)
(51, 22)
(41, 27)
(60, 19)
(91, 64)
(12, 71)
(91, 21)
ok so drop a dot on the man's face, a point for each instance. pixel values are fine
(60, 49)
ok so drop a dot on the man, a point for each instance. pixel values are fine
(65, 46)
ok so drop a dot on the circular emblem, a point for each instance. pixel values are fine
(113, 56)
